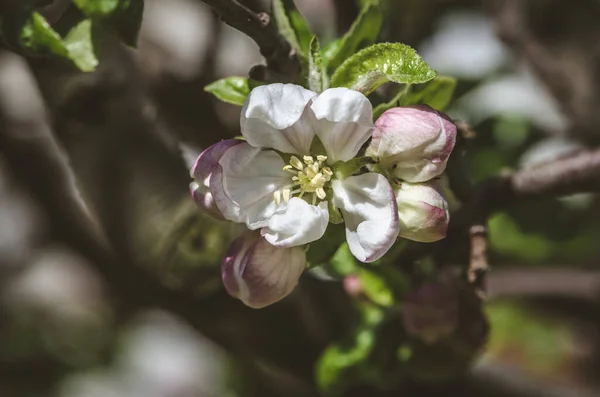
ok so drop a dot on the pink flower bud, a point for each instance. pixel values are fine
(260, 274)
(415, 141)
(422, 210)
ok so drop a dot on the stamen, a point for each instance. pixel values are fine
(309, 177)
(289, 169)
(321, 193)
(277, 196)
(286, 195)
(296, 163)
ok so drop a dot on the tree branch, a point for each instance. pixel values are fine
(282, 62)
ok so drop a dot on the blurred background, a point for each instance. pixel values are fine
(109, 276)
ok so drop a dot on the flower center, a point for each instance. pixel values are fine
(310, 177)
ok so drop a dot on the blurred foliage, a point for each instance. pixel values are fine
(27, 31)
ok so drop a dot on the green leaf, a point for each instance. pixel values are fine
(338, 361)
(376, 288)
(380, 63)
(343, 262)
(80, 46)
(362, 33)
(292, 25)
(316, 74)
(37, 35)
(97, 8)
(232, 89)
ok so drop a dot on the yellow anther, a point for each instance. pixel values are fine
(309, 178)
(277, 196)
(296, 163)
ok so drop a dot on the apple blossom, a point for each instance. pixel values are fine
(283, 180)
(414, 142)
(294, 170)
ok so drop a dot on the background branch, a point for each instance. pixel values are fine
(282, 62)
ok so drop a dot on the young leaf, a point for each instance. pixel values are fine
(38, 36)
(341, 361)
(380, 63)
(80, 46)
(97, 8)
(316, 74)
(232, 89)
(362, 33)
(292, 25)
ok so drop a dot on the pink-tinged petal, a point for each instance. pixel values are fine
(423, 211)
(204, 166)
(205, 200)
(369, 208)
(208, 160)
(243, 188)
(297, 224)
(415, 140)
(277, 116)
(260, 274)
(344, 122)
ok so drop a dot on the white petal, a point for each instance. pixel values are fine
(344, 122)
(299, 223)
(276, 116)
(249, 178)
(369, 208)
(260, 274)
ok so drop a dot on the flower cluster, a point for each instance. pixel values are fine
(299, 169)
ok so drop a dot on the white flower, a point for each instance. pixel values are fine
(280, 180)
(284, 179)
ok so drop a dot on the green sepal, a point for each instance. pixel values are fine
(316, 75)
